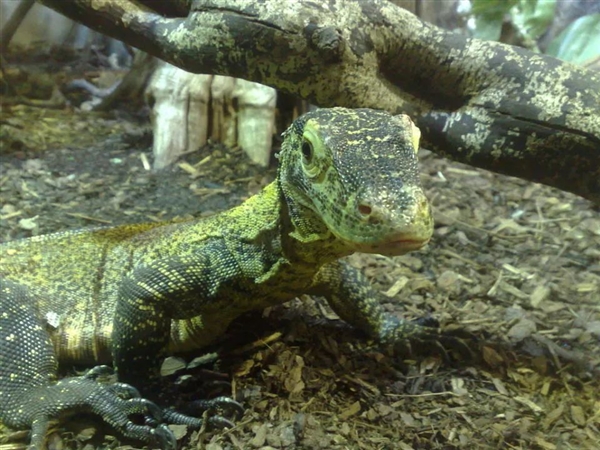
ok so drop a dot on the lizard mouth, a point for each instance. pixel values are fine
(410, 242)
(406, 245)
(395, 247)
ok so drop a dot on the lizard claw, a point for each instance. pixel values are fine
(152, 412)
(99, 371)
(163, 437)
(220, 422)
(214, 407)
(446, 343)
(403, 334)
(457, 343)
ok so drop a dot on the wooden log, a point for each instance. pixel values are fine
(256, 119)
(179, 115)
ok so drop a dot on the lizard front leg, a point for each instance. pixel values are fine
(179, 287)
(352, 297)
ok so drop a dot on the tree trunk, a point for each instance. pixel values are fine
(12, 24)
(483, 103)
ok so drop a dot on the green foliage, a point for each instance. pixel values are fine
(489, 15)
(533, 17)
(579, 42)
(530, 17)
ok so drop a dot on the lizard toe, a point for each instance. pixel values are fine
(151, 411)
(406, 335)
(446, 343)
(163, 438)
(99, 371)
(120, 412)
(220, 422)
(195, 423)
(124, 390)
(461, 344)
(214, 410)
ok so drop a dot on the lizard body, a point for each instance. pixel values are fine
(128, 295)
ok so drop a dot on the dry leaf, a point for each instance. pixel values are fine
(353, 409)
(578, 415)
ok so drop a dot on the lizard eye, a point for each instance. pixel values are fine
(307, 152)
(309, 159)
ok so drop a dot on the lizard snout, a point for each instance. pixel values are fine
(408, 212)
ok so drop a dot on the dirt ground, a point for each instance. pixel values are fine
(515, 264)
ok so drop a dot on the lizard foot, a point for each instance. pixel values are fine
(447, 343)
(118, 404)
(425, 332)
(155, 418)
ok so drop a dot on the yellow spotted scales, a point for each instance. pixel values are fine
(128, 295)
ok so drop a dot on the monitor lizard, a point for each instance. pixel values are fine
(128, 295)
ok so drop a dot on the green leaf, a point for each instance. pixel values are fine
(496, 8)
(579, 42)
(534, 16)
(489, 15)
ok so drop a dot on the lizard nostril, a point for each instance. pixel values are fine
(365, 210)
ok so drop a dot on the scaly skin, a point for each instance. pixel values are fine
(129, 295)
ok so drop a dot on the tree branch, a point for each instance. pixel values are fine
(483, 103)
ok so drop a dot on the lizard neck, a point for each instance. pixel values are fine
(304, 235)
(294, 228)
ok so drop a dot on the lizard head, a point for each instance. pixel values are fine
(356, 171)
